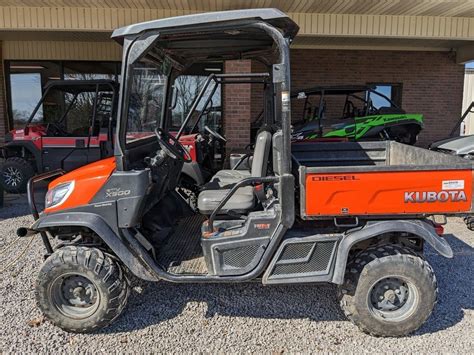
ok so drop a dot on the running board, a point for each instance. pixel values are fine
(160, 274)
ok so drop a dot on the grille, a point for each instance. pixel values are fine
(239, 257)
(318, 262)
(296, 251)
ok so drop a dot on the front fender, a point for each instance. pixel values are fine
(418, 228)
(103, 230)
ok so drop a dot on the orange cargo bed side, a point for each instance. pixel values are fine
(388, 192)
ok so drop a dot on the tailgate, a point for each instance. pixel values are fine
(389, 192)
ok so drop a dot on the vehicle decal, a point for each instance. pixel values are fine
(433, 196)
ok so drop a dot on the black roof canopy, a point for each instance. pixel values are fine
(196, 22)
(213, 36)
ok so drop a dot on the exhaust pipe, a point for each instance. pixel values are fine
(25, 232)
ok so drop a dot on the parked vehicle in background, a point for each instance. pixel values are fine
(70, 126)
(349, 113)
(462, 146)
(455, 144)
(73, 124)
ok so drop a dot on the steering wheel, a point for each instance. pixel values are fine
(171, 146)
(214, 134)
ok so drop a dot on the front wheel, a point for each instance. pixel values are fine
(389, 291)
(81, 289)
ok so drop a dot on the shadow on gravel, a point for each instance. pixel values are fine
(162, 301)
(455, 283)
(158, 302)
(16, 205)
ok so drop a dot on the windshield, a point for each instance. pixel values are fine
(146, 101)
(186, 89)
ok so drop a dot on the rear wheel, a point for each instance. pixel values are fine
(81, 289)
(389, 291)
(15, 173)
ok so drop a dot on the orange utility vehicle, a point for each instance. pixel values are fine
(353, 214)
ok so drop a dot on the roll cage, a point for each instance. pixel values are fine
(75, 87)
(350, 91)
(177, 43)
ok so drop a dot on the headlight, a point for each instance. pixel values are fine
(59, 194)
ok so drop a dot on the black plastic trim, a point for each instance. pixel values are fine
(100, 227)
(422, 229)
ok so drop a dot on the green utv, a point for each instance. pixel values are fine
(366, 115)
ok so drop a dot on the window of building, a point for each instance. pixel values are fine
(393, 91)
(26, 81)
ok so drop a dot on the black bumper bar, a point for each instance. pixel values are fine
(32, 203)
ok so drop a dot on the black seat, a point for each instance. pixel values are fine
(243, 199)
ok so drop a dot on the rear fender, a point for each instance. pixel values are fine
(95, 223)
(418, 228)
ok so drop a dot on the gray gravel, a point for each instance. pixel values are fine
(162, 317)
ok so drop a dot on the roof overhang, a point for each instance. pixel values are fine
(441, 25)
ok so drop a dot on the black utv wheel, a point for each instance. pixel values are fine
(389, 291)
(15, 173)
(81, 289)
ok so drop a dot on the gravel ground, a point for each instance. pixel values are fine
(162, 317)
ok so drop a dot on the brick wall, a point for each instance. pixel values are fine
(432, 81)
(237, 107)
(3, 109)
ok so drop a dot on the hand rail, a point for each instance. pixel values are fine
(241, 183)
(31, 191)
(32, 204)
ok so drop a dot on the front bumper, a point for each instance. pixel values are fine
(24, 232)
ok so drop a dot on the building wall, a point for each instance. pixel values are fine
(432, 81)
(236, 107)
(468, 98)
(432, 85)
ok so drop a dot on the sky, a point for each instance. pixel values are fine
(25, 91)
(470, 65)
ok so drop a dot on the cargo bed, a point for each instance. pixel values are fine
(380, 179)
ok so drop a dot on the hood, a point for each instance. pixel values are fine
(458, 145)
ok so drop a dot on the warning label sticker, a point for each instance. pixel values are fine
(453, 185)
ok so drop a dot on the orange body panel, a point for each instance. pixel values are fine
(388, 192)
(88, 181)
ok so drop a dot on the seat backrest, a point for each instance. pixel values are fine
(261, 154)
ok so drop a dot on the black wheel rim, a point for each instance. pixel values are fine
(12, 176)
(393, 299)
(75, 296)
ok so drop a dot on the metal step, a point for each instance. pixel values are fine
(181, 253)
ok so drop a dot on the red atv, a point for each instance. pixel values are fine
(70, 126)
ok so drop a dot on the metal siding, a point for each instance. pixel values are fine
(460, 8)
(334, 24)
(61, 50)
